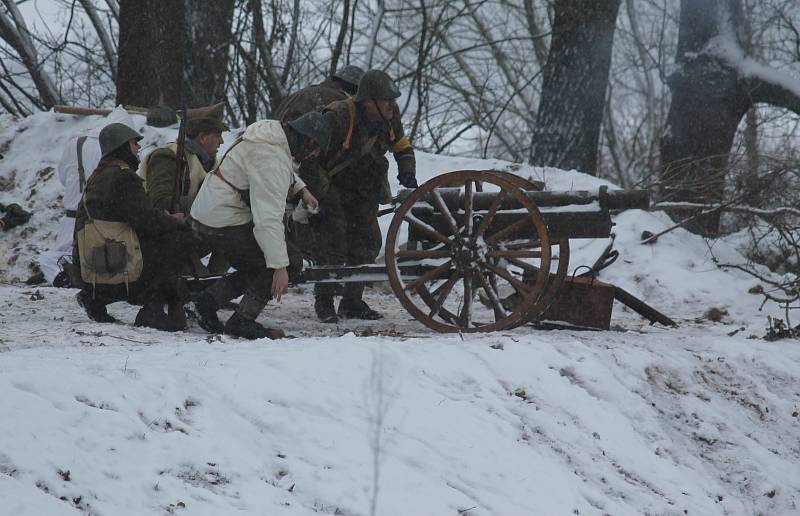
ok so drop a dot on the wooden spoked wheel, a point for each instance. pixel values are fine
(462, 251)
(559, 261)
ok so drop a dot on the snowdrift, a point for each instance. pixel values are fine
(386, 417)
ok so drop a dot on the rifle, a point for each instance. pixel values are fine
(181, 177)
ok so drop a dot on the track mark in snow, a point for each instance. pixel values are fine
(98, 405)
(162, 425)
(7, 467)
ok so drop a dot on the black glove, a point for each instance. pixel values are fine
(407, 179)
(320, 217)
(14, 217)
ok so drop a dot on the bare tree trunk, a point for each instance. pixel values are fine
(287, 69)
(376, 22)
(535, 31)
(567, 129)
(275, 87)
(105, 41)
(712, 90)
(113, 6)
(752, 152)
(251, 79)
(208, 41)
(343, 28)
(151, 52)
(14, 31)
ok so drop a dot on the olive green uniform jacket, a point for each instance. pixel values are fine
(115, 193)
(158, 171)
(359, 146)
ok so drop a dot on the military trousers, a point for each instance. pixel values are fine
(346, 234)
(251, 277)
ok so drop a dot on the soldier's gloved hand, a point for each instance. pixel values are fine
(14, 217)
(407, 179)
(318, 217)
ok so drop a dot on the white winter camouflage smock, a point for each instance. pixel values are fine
(262, 163)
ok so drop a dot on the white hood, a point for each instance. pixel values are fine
(266, 131)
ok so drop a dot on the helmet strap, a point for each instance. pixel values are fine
(378, 109)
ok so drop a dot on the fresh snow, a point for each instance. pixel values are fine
(116, 420)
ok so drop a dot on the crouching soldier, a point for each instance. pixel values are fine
(127, 249)
(240, 208)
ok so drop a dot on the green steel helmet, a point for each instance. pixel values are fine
(376, 85)
(351, 74)
(114, 136)
(313, 125)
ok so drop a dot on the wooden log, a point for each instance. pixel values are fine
(560, 224)
(603, 198)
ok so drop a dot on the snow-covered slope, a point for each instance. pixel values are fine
(386, 417)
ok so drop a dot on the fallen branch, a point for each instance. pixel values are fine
(714, 208)
(772, 212)
(103, 334)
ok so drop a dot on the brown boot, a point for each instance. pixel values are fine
(177, 314)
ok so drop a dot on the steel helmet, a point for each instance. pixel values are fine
(314, 126)
(351, 74)
(376, 85)
(115, 135)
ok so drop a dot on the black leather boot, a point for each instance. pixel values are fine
(323, 306)
(238, 326)
(357, 309)
(206, 309)
(95, 309)
(152, 316)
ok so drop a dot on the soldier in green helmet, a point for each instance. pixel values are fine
(114, 193)
(364, 128)
(339, 86)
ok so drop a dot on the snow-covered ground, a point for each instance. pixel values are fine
(387, 417)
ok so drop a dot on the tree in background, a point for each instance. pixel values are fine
(714, 86)
(571, 106)
(207, 50)
(150, 60)
(14, 31)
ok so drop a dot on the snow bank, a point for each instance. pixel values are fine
(116, 420)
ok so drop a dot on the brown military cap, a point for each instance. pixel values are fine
(206, 120)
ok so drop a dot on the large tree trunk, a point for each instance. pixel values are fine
(570, 113)
(150, 60)
(208, 26)
(712, 89)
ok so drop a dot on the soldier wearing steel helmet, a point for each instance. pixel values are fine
(339, 86)
(115, 193)
(364, 128)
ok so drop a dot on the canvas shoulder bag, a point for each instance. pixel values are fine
(109, 251)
